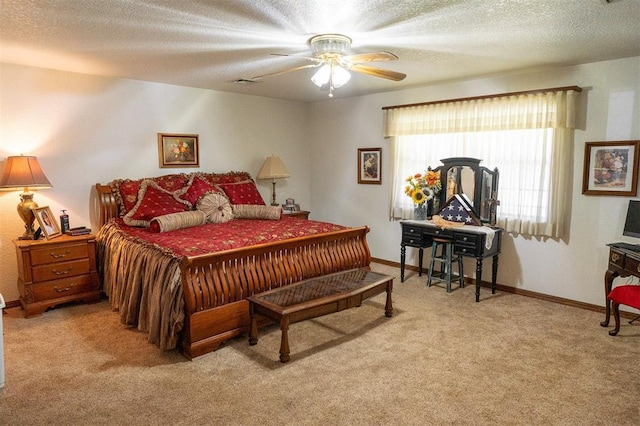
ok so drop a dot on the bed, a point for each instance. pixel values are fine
(187, 287)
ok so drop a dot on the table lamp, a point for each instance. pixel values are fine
(273, 168)
(24, 171)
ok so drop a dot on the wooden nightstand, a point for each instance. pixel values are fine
(301, 213)
(57, 271)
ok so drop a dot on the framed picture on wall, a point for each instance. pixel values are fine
(370, 165)
(611, 168)
(178, 150)
(47, 222)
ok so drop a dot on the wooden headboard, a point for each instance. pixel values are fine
(107, 205)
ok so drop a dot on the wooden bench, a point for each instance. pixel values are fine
(316, 297)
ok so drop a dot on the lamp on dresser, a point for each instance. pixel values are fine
(273, 168)
(24, 172)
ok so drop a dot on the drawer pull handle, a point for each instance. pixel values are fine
(65, 272)
(615, 257)
(412, 230)
(464, 239)
(62, 290)
(58, 256)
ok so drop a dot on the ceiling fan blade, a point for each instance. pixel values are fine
(286, 71)
(378, 72)
(371, 57)
(308, 58)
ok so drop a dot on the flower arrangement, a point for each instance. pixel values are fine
(422, 188)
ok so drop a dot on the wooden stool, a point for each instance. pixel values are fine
(446, 259)
(623, 295)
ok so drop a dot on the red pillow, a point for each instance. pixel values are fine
(197, 189)
(129, 189)
(153, 201)
(242, 193)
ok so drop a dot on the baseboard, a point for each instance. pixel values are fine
(12, 304)
(527, 293)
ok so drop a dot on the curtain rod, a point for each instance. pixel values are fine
(526, 92)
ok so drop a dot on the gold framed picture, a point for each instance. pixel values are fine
(178, 150)
(611, 168)
(47, 222)
(370, 165)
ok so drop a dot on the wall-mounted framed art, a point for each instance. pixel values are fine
(611, 168)
(370, 165)
(47, 222)
(178, 150)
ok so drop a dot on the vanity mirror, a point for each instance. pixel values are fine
(464, 175)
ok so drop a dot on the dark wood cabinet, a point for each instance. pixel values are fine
(56, 271)
(622, 263)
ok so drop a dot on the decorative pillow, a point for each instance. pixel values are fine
(127, 190)
(252, 211)
(216, 207)
(242, 193)
(153, 201)
(173, 221)
(196, 188)
(229, 177)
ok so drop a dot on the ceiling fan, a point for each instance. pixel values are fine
(330, 55)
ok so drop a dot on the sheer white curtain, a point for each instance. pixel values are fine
(528, 137)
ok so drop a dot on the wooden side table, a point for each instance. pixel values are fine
(301, 213)
(56, 271)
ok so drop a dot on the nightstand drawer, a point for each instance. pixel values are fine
(63, 287)
(61, 253)
(61, 270)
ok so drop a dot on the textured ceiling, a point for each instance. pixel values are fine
(210, 43)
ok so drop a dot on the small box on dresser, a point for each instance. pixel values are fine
(56, 271)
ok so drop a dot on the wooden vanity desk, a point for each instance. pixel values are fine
(461, 175)
(470, 241)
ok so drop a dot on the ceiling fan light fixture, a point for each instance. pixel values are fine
(340, 76)
(330, 44)
(331, 74)
(321, 77)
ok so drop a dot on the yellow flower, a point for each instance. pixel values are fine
(418, 197)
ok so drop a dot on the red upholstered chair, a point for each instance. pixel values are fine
(628, 295)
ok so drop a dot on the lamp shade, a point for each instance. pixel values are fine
(23, 171)
(273, 168)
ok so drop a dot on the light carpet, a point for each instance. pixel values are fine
(441, 359)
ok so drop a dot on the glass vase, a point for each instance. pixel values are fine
(420, 212)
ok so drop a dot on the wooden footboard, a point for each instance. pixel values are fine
(215, 286)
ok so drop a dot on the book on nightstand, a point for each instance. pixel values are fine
(81, 230)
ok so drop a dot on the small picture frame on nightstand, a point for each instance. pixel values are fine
(47, 222)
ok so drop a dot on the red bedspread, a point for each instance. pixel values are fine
(224, 236)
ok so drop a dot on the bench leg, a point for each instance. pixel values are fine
(284, 342)
(253, 331)
(388, 307)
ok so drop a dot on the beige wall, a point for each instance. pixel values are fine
(572, 268)
(88, 129)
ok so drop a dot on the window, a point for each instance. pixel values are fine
(528, 137)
